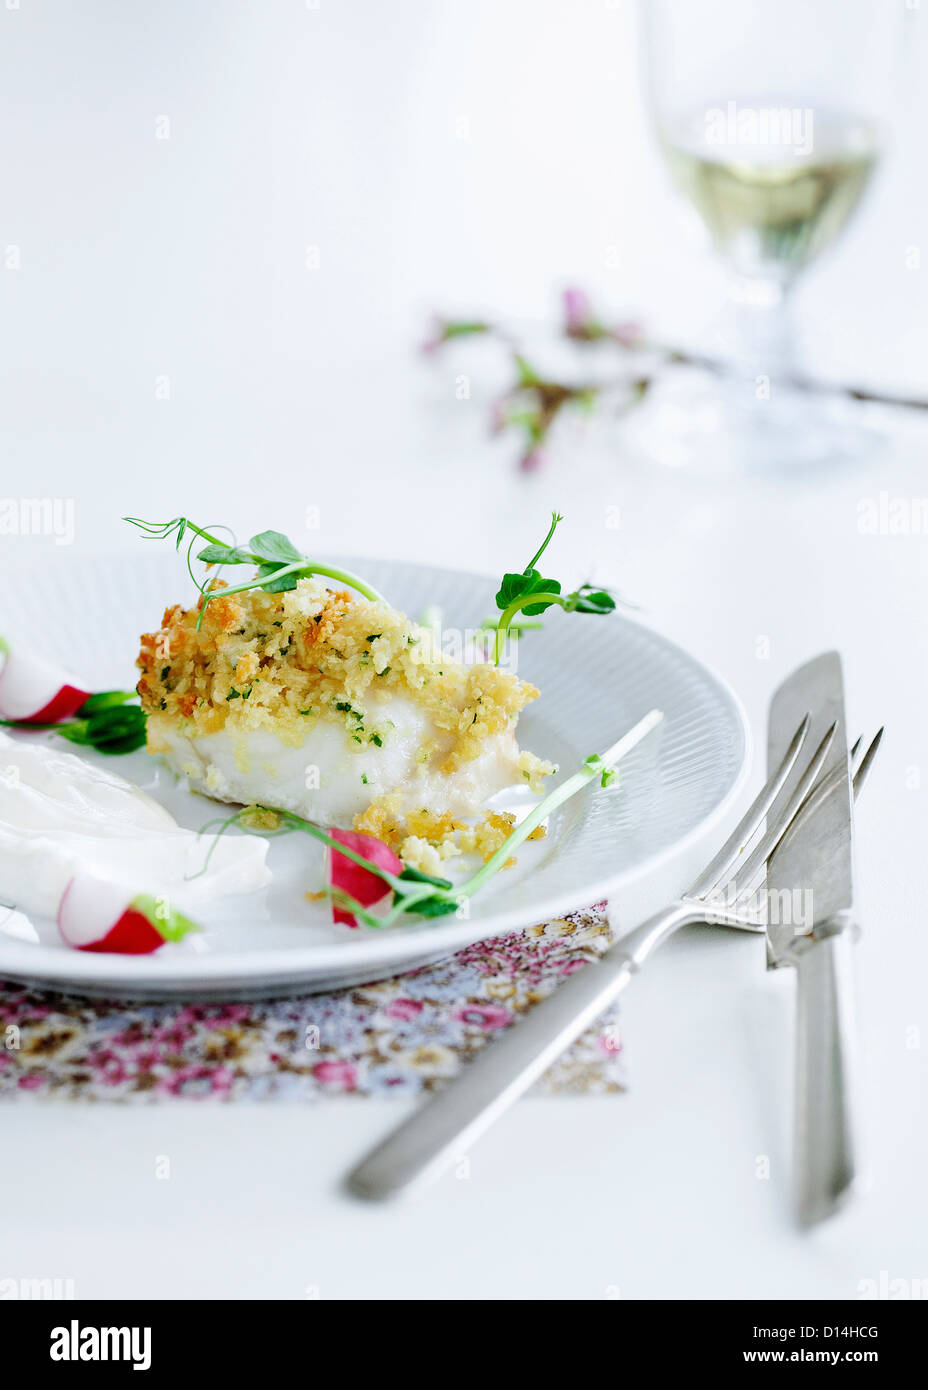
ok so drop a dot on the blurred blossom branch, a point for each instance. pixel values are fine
(533, 402)
(446, 330)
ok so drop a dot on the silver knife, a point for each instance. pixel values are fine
(810, 925)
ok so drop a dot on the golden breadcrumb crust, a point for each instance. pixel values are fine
(423, 839)
(283, 661)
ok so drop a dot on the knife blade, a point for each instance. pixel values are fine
(809, 902)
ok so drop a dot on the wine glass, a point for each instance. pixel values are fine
(771, 116)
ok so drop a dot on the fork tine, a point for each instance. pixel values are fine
(855, 745)
(866, 762)
(858, 777)
(794, 807)
(752, 819)
(828, 784)
(818, 794)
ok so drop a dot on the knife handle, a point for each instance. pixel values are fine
(827, 1155)
(444, 1128)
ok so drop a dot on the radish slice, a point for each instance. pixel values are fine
(349, 877)
(96, 914)
(34, 691)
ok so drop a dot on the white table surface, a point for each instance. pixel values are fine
(291, 389)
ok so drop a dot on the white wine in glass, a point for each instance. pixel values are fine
(772, 117)
(770, 210)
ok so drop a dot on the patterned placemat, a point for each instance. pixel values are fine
(402, 1035)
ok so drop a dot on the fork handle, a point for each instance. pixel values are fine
(826, 1110)
(442, 1130)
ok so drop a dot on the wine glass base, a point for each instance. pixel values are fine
(721, 427)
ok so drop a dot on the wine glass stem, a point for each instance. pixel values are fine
(762, 328)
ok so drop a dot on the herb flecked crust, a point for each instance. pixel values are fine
(281, 661)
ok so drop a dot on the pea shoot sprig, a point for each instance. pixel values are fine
(531, 593)
(278, 564)
(412, 890)
(106, 721)
(420, 894)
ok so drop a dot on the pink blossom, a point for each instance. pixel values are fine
(577, 312)
(629, 334)
(110, 1066)
(197, 1080)
(533, 460)
(499, 415)
(146, 1058)
(342, 1076)
(174, 1039)
(403, 1009)
(486, 1016)
(436, 336)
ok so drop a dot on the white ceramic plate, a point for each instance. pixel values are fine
(634, 844)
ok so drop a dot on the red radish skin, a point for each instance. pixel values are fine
(66, 702)
(132, 935)
(34, 691)
(354, 879)
(96, 914)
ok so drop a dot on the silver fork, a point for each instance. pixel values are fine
(740, 888)
(437, 1134)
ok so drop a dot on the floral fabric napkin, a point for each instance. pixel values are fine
(402, 1035)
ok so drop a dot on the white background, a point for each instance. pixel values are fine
(140, 258)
